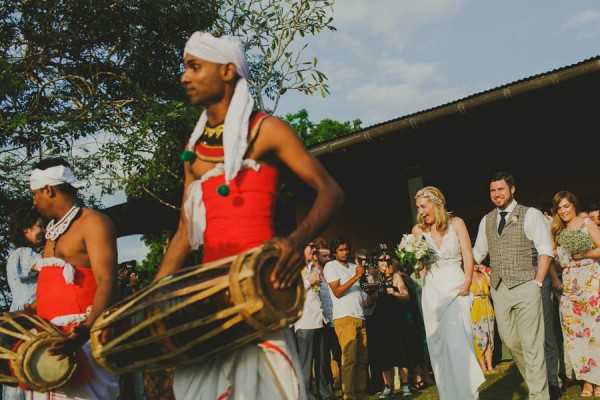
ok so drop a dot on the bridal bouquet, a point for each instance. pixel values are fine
(414, 249)
(570, 242)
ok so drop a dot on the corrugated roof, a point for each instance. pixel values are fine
(586, 66)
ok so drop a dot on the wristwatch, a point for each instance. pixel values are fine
(538, 283)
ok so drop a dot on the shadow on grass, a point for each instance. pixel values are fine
(507, 384)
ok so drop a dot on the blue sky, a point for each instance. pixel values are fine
(390, 58)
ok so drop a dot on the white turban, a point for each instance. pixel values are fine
(53, 176)
(223, 50)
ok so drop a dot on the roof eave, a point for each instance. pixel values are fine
(414, 121)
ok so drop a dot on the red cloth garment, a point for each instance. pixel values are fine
(57, 298)
(245, 217)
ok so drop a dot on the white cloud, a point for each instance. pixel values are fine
(583, 19)
(381, 102)
(404, 71)
(384, 16)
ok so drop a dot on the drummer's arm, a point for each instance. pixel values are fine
(179, 246)
(101, 245)
(280, 139)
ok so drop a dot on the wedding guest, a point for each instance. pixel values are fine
(549, 308)
(577, 243)
(412, 333)
(27, 236)
(446, 306)
(482, 316)
(387, 344)
(309, 329)
(349, 302)
(331, 345)
(595, 213)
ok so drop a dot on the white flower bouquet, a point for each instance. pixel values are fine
(570, 242)
(413, 250)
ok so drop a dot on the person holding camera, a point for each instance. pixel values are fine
(349, 301)
(131, 384)
(387, 340)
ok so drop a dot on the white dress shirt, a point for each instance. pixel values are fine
(312, 313)
(535, 227)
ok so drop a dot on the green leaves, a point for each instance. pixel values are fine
(327, 129)
(271, 30)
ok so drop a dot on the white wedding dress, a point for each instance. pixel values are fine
(447, 319)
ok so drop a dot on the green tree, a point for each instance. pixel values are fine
(147, 159)
(74, 73)
(269, 30)
(98, 82)
(327, 129)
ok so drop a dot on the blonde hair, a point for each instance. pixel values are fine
(437, 199)
(558, 224)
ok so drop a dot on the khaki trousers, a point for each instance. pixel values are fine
(352, 335)
(520, 320)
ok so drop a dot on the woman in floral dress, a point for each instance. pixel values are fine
(482, 316)
(579, 311)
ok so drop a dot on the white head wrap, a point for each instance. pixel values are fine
(53, 176)
(223, 50)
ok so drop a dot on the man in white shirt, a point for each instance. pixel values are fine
(331, 346)
(349, 318)
(309, 329)
(508, 234)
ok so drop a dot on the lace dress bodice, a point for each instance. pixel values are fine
(449, 251)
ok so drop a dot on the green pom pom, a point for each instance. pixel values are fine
(223, 190)
(187, 155)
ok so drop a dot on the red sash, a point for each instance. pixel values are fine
(243, 219)
(56, 298)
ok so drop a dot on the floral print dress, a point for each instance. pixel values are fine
(580, 317)
(482, 316)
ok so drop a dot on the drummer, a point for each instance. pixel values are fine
(77, 278)
(231, 167)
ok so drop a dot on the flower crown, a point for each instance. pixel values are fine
(431, 196)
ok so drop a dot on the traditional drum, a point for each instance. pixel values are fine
(196, 313)
(24, 360)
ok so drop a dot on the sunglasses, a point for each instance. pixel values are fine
(387, 260)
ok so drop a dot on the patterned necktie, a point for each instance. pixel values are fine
(502, 221)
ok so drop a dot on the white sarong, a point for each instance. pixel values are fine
(265, 370)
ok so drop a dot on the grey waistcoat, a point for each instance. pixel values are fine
(510, 253)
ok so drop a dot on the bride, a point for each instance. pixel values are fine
(445, 301)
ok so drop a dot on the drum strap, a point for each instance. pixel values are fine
(10, 366)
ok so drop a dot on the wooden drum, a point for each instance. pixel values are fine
(196, 313)
(24, 361)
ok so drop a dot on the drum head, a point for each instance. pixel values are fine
(284, 300)
(44, 371)
(280, 307)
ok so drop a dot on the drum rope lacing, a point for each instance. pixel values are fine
(55, 229)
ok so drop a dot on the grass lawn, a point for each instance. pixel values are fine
(505, 384)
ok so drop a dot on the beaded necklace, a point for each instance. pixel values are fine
(54, 230)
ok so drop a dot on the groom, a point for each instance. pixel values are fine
(509, 233)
